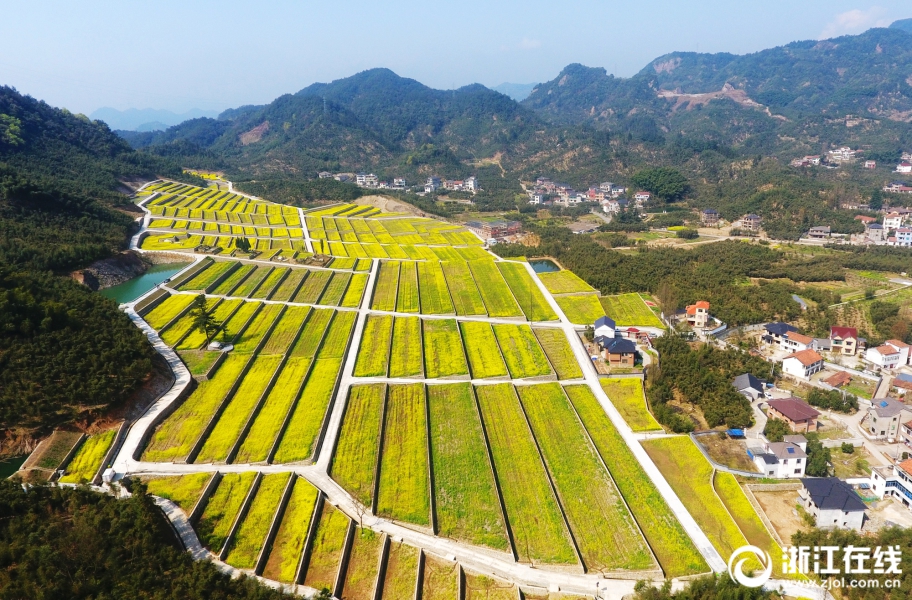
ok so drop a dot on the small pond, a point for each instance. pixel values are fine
(129, 291)
(8, 466)
(543, 265)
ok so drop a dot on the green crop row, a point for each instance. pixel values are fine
(482, 350)
(521, 352)
(309, 341)
(404, 492)
(289, 285)
(326, 551)
(581, 309)
(373, 355)
(672, 546)
(355, 291)
(286, 330)
(167, 310)
(532, 302)
(88, 458)
(408, 299)
(292, 534)
(363, 565)
(250, 338)
(251, 533)
(564, 282)
(463, 291)
(239, 319)
(335, 289)
(386, 286)
(233, 280)
(183, 490)
(555, 344)
(196, 338)
(626, 394)
(605, 532)
(269, 284)
(532, 510)
(208, 276)
(435, 296)
(498, 298)
(355, 460)
(313, 286)
(468, 508)
(630, 309)
(252, 282)
(222, 509)
(443, 353)
(405, 350)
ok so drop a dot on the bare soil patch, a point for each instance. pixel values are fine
(780, 509)
(728, 452)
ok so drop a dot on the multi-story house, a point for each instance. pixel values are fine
(802, 364)
(894, 220)
(710, 217)
(844, 340)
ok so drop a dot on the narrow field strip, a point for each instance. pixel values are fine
(251, 534)
(183, 490)
(363, 565)
(468, 507)
(289, 285)
(581, 309)
(521, 352)
(626, 393)
(435, 296)
(443, 352)
(309, 341)
(556, 346)
(607, 536)
(292, 535)
(170, 307)
(332, 296)
(313, 286)
(463, 291)
(196, 338)
(630, 309)
(174, 334)
(285, 330)
(408, 299)
(88, 458)
(233, 280)
(532, 302)
(250, 337)
(208, 276)
(564, 282)
(482, 587)
(482, 350)
(326, 552)
(386, 286)
(405, 350)
(441, 579)
(269, 283)
(532, 511)
(374, 352)
(401, 572)
(498, 298)
(222, 509)
(249, 285)
(404, 492)
(672, 546)
(355, 461)
(355, 291)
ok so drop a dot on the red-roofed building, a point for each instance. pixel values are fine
(802, 364)
(698, 314)
(839, 379)
(865, 219)
(798, 414)
(796, 342)
(844, 339)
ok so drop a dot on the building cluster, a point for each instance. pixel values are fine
(494, 230)
(831, 160)
(371, 181)
(895, 229)
(617, 345)
(611, 197)
(470, 184)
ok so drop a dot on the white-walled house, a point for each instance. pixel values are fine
(604, 327)
(802, 364)
(890, 355)
(894, 481)
(784, 459)
(832, 502)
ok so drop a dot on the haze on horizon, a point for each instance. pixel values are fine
(212, 55)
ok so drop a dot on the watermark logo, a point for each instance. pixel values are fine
(741, 556)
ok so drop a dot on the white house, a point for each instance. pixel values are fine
(885, 416)
(904, 167)
(903, 237)
(784, 459)
(832, 502)
(886, 356)
(802, 364)
(796, 342)
(894, 481)
(641, 198)
(604, 327)
(432, 185)
(893, 221)
(470, 184)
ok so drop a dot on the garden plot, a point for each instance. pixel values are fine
(387, 285)
(468, 507)
(355, 460)
(404, 492)
(300, 438)
(498, 298)
(463, 290)
(604, 529)
(581, 309)
(690, 475)
(232, 281)
(672, 546)
(251, 534)
(482, 350)
(405, 349)
(183, 490)
(435, 296)
(326, 550)
(441, 579)
(555, 344)
(374, 352)
(630, 309)
(407, 299)
(401, 577)
(335, 290)
(288, 545)
(538, 527)
(443, 352)
(88, 458)
(363, 565)
(313, 286)
(532, 302)
(170, 307)
(521, 352)
(289, 285)
(564, 282)
(355, 291)
(626, 393)
(222, 509)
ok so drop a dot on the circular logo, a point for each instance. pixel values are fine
(741, 556)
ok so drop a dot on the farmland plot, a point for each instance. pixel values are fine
(498, 298)
(532, 510)
(363, 566)
(172, 306)
(222, 509)
(532, 302)
(88, 458)
(672, 546)
(176, 332)
(463, 290)
(336, 289)
(401, 572)
(690, 475)
(405, 350)
(285, 330)
(387, 285)
(248, 340)
(355, 291)
(481, 587)
(441, 579)
(404, 487)
(443, 353)
(223, 311)
(564, 282)
(233, 280)
(555, 344)
(326, 551)
(626, 393)
(251, 534)
(521, 352)
(309, 341)
(355, 460)
(289, 285)
(408, 299)
(312, 288)
(373, 354)
(482, 350)
(468, 508)
(208, 276)
(435, 296)
(253, 281)
(607, 535)
(270, 283)
(183, 490)
(581, 309)
(292, 534)
(630, 309)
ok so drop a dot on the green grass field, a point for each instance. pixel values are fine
(313, 286)
(222, 509)
(626, 393)
(672, 546)
(408, 299)
(404, 488)
(233, 280)
(498, 298)
(443, 352)
(605, 531)
(374, 353)
(435, 296)
(532, 510)
(292, 535)
(468, 508)
(530, 299)
(354, 463)
(481, 587)
(482, 350)
(406, 358)
(314, 329)
(521, 352)
(556, 346)
(441, 579)
(183, 490)
(581, 309)
(88, 458)
(630, 309)
(251, 534)
(335, 290)
(289, 285)
(326, 552)
(564, 282)
(286, 330)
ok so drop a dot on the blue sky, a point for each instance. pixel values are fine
(214, 55)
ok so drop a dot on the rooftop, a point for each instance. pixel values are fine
(747, 380)
(887, 407)
(795, 409)
(806, 357)
(843, 332)
(780, 328)
(830, 493)
(799, 337)
(786, 450)
(839, 378)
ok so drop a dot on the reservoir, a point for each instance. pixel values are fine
(543, 265)
(129, 291)
(8, 466)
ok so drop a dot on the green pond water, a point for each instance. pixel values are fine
(129, 291)
(8, 466)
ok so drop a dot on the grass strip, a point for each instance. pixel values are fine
(630, 309)
(183, 490)
(535, 519)
(441, 579)
(170, 307)
(292, 534)
(408, 299)
(196, 338)
(355, 291)
(373, 354)
(498, 298)
(355, 460)
(326, 552)
(481, 587)
(532, 302)
(405, 351)
(404, 488)
(555, 344)
(252, 532)
(626, 393)
(88, 458)
(285, 330)
(401, 572)
(521, 352)
(672, 546)
(468, 508)
(313, 286)
(482, 350)
(289, 285)
(443, 353)
(435, 297)
(564, 282)
(222, 509)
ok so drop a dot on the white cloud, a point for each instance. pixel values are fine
(855, 21)
(529, 44)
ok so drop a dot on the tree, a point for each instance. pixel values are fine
(687, 234)
(242, 244)
(776, 430)
(204, 319)
(876, 201)
(818, 458)
(665, 182)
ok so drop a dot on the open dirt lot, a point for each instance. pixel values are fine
(780, 510)
(728, 452)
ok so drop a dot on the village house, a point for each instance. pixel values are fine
(749, 386)
(494, 230)
(894, 220)
(904, 167)
(875, 232)
(618, 352)
(776, 332)
(832, 502)
(802, 364)
(838, 379)
(797, 414)
(894, 481)
(781, 460)
(604, 327)
(324, 175)
(399, 183)
(902, 385)
(641, 198)
(885, 415)
(889, 355)
(795, 342)
(431, 185)
(902, 238)
(841, 154)
(698, 314)
(368, 180)
(709, 217)
(865, 219)
(819, 232)
(870, 164)
(751, 222)
(844, 340)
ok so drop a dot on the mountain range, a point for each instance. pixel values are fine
(147, 119)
